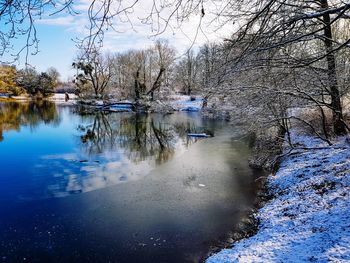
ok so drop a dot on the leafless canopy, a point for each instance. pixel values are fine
(18, 19)
(284, 34)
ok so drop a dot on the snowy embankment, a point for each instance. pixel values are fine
(173, 103)
(184, 103)
(308, 218)
(62, 97)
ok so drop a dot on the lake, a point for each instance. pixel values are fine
(117, 187)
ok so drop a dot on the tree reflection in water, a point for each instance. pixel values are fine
(84, 152)
(115, 148)
(141, 137)
(13, 115)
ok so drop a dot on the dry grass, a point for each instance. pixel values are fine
(313, 116)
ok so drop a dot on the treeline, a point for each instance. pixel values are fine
(155, 70)
(282, 54)
(14, 115)
(27, 81)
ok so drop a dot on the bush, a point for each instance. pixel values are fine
(36, 84)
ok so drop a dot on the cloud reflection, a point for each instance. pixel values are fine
(114, 149)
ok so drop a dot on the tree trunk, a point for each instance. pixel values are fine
(338, 124)
(157, 82)
(137, 86)
(94, 84)
(189, 74)
(189, 90)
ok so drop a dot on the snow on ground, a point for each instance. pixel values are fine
(62, 96)
(184, 103)
(308, 219)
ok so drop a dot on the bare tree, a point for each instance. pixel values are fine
(276, 34)
(54, 74)
(289, 33)
(93, 71)
(142, 72)
(187, 72)
(164, 56)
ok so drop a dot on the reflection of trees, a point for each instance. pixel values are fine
(140, 136)
(13, 115)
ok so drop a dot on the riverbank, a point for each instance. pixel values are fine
(95, 159)
(308, 218)
(56, 97)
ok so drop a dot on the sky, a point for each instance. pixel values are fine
(56, 34)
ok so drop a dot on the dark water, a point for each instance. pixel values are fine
(116, 187)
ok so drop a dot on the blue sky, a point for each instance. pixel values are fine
(56, 48)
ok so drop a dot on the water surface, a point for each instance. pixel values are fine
(116, 187)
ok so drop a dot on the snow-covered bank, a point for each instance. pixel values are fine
(309, 217)
(56, 97)
(173, 103)
(62, 97)
(187, 103)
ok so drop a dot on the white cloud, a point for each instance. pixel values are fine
(132, 33)
(58, 21)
